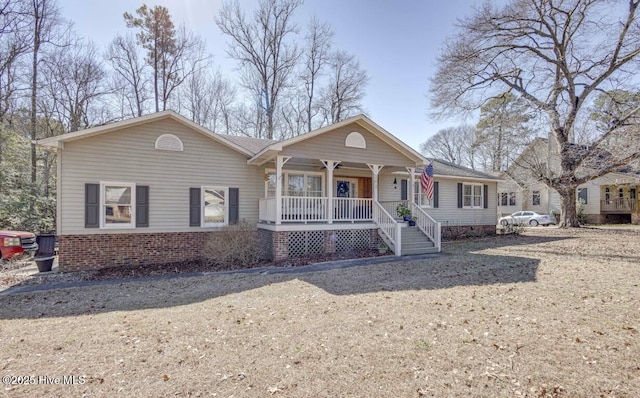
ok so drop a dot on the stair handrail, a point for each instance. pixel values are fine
(428, 225)
(388, 225)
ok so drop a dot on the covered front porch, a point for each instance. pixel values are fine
(330, 180)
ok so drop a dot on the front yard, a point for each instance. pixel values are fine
(551, 313)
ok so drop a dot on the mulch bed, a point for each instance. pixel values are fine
(199, 266)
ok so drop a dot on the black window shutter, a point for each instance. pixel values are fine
(486, 196)
(194, 207)
(91, 205)
(142, 206)
(436, 193)
(459, 195)
(234, 205)
(582, 194)
(403, 189)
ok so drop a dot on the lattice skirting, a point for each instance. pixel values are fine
(296, 244)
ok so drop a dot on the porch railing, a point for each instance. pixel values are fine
(619, 205)
(428, 225)
(304, 208)
(391, 206)
(316, 209)
(267, 209)
(388, 226)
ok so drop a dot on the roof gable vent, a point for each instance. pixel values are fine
(355, 140)
(169, 142)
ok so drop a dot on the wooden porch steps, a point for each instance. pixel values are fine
(415, 242)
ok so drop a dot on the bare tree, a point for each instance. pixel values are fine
(555, 55)
(452, 144)
(129, 73)
(343, 94)
(14, 43)
(74, 82)
(503, 131)
(263, 46)
(206, 98)
(44, 19)
(315, 55)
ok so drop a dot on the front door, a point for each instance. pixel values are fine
(346, 188)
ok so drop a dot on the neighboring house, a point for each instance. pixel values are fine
(612, 198)
(154, 188)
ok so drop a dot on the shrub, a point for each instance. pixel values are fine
(234, 247)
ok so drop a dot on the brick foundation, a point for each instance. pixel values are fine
(91, 252)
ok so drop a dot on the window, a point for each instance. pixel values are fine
(295, 184)
(355, 140)
(607, 194)
(512, 198)
(117, 205)
(620, 193)
(535, 201)
(169, 142)
(504, 199)
(420, 198)
(472, 196)
(582, 195)
(214, 206)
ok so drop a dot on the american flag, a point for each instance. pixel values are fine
(426, 181)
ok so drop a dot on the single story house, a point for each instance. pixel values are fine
(612, 198)
(152, 189)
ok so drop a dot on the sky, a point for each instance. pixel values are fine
(396, 41)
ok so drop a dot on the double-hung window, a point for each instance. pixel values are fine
(535, 200)
(117, 205)
(472, 196)
(296, 184)
(420, 198)
(215, 211)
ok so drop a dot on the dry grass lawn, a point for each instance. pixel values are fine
(551, 313)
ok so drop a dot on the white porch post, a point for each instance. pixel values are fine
(280, 161)
(412, 185)
(330, 165)
(375, 170)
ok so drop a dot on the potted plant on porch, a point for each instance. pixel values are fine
(412, 221)
(403, 212)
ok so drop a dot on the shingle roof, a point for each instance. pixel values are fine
(252, 144)
(444, 168)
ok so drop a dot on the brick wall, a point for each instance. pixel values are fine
(91, 252)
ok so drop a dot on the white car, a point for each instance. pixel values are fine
(528, 217)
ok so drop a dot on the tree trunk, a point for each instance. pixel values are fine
(569, 216)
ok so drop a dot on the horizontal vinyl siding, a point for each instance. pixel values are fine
(448, 212)
(331, 146)
(130, 156)
(593, 198)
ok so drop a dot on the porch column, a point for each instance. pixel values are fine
(375, 170)
(280, 161)
(412, 185)
(330, 165)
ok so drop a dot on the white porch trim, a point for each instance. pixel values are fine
(317, 227)
(375, 170)
(280, 161)
(330, 165)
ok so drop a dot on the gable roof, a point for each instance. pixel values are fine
(270, 151)
(58, 141)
